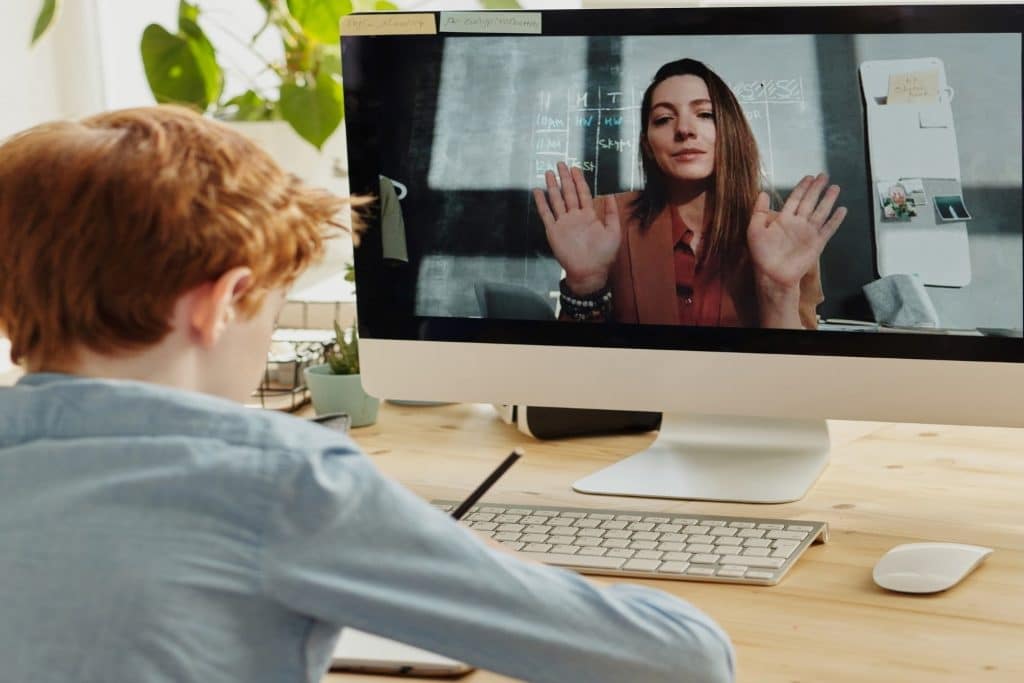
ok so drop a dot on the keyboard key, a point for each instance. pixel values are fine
(517, 528)
(732, 571)
(671, 546)
(713, 522)
(656, 520)
(615, 543)
(702, 539)
(483, 526)
(646, 536)
(562, 560)
(700, 548)
(560, 521)
(511, 519)
(705, 558)
(742, 525)
(534, 538)
(669, 528)
(728, 540)
(700, 571)
(534, 519)
(546, 513)
(587, 541)
(561, 540)
(618, 533)
(676, 538)
(751, 533)
(573, 514)
(788, 535)
(506, 536)
(538, 529)
(771, 562)
(642, 565)
(798, 527)
(679, 557)
(756, 552)
(479, 517)
(629, 518)
(587, 523)
(564, 549)
(771, 525)
(648, 555)
(613, 524)
(621, 552)
(757, 543)
(685, 521)
(537, 547)
(697, 529)
(723, 531)
(758, 574)
(640, 526)
(673, 567)
(597, 552)
(643, 545)
(600, 515)
(492, 510)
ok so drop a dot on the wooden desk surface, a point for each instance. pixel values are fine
(826, 621)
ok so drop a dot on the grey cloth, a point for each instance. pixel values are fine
(901, 301)
(392, 226)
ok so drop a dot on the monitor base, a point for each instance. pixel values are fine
(732, 459)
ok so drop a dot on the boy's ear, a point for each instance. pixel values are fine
(213, 305)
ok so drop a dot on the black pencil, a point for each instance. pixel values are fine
(480, 490)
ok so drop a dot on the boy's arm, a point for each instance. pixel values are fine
(347, 546)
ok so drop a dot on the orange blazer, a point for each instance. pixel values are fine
(643, 280)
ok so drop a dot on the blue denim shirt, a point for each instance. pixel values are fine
(151, 534)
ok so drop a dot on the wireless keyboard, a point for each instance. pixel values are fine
(689, 547)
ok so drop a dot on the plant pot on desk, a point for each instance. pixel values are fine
(340, 394)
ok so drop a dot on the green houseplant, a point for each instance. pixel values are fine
(182, 65)
(336, 386)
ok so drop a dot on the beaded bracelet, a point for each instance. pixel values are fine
(595, 307)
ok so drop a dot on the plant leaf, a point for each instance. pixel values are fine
(47, 14)
(500, 4)
(178, 68)
(384, 6)
(249, 106)
(315, 109)
(187, 10)
(206, 57)
(320, 18)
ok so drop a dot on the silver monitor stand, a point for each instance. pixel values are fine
(733, 459)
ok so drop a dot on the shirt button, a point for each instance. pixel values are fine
(688, 300)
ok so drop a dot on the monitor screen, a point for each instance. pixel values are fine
(745, 199)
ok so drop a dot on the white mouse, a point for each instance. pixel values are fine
(927, 567)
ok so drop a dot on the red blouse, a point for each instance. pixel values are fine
(699, 283)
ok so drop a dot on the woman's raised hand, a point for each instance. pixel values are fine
(786, 245)
(584, 245)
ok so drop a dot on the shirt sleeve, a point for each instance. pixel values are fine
(346, 545)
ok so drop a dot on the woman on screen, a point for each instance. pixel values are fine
(698, 245)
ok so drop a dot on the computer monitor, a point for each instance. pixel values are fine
(913, 111)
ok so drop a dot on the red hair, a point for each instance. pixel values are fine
(106, 222)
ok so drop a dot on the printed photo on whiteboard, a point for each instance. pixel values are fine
(896, 200)
(951, 208)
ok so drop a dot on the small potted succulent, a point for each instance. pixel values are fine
(336, 387)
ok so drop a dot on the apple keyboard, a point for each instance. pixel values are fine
(646, 545)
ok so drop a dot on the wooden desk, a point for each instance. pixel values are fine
(827, 621)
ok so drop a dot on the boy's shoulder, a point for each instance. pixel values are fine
(63, 406)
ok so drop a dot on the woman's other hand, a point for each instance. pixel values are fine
(784, 246)
(584, 245)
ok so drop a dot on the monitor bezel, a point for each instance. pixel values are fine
(379, 321)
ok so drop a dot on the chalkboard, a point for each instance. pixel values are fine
(470, 124)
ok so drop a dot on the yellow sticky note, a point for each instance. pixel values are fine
(913, 88)
(388, 24)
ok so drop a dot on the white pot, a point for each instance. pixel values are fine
(322, 168)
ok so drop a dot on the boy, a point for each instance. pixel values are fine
(151, 528)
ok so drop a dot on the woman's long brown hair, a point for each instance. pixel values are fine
(736, 181)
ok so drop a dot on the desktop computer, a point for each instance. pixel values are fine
(607, 167)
